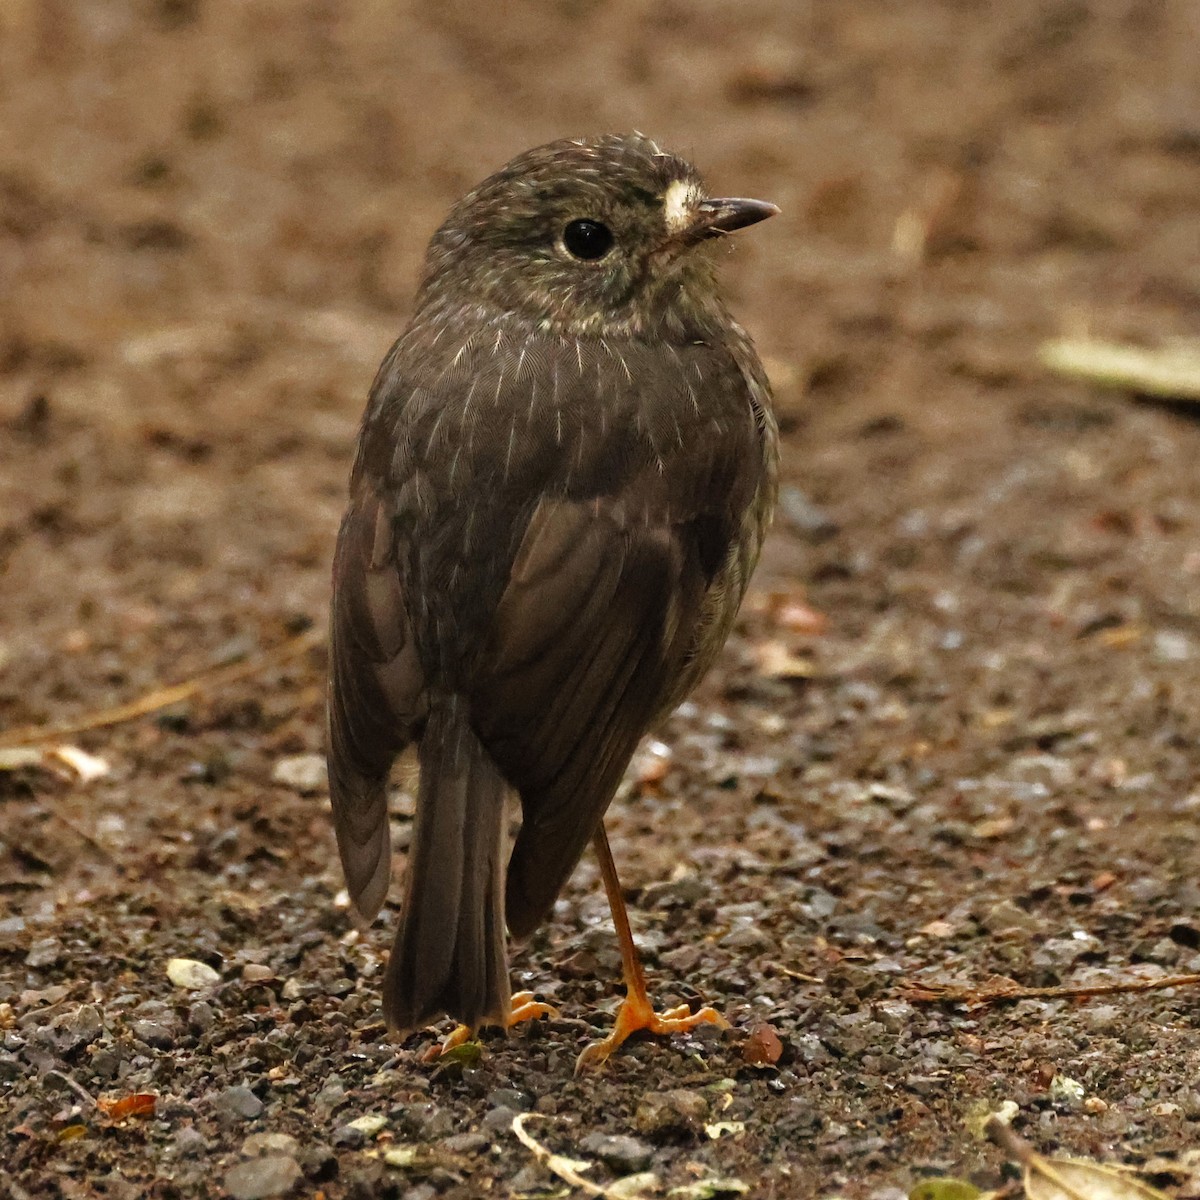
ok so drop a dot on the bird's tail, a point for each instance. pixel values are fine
(450, 955)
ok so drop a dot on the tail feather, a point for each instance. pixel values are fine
(450, 954)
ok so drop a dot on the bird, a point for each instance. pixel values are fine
(564, 474)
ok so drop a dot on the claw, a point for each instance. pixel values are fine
(523, 1008)
(635, 1014)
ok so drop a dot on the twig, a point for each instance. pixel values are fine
(937, 993)
(1003, 1135)
(565, 1168)
(162, 698)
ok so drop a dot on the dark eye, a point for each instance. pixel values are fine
(587, 239)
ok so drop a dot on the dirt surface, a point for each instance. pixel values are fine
(986, 764)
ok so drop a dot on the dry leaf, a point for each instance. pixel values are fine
(140, 1104)
(1172, 370)
(1078, 1179)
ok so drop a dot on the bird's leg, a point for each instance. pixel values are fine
(636, 1011)
(523, 1008)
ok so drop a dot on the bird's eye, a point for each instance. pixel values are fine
(587, 239)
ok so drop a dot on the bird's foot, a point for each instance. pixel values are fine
(526, 1008)
(523, 1008)
(637, 1013)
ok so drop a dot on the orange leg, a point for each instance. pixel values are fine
(524, 1008)
(636, 1011)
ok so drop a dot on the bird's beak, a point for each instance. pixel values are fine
(716, 217)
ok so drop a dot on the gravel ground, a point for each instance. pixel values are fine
(954, 737)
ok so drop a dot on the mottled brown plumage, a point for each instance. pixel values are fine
(563, 479)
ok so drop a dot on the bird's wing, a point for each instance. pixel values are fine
(600, 616)
(376, 694)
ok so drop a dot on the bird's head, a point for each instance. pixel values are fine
(586, 237)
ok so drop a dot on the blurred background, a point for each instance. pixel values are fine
(212, 216)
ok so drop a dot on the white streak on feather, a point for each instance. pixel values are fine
(512, 437)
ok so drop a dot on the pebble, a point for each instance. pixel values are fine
(1007, 916)
(105, 1063)
(467, 1143)
(622, 1153)
(259, 1144)
(803, 515)
(510, 1098)
(422, 1191)
(499, 1120)
(275, 1175)
(318, 1161)
(78, 1028)
(349, 1136)
(749, 938)
(201, 1017)
(11, 931)
(45, 952)
(154, 1033)
(191, 974)
(676, 1111)
(306, 773)
(190, 1142)
(239, 1101)
(369, 1124)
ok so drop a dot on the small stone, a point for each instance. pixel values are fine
(369, 1124)
(331, 1094)
(239, 1101)
(106, 1062)
(190, 1142)
(467, 1143)
(683, 959)
(12, 929)
(1172, 646)
(530, 1178)
(78, 1028)
(349, 1137)
(201, 1017)
(499, 1120)
(260, 1178)
(1066, 1090)
(1105, 1018)
(625, 1154)
(45, 952)
(510, 1098)
(154, 1033)
(667, 1113)
(318, 1161)
(259, 1144)
(191, 975)
(1008, 917)
(805, 517)
(762, 1047)
(747, 939)
(306, 773)
(687, 890)
(421, 1191)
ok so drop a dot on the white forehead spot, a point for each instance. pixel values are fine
(679, 203)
